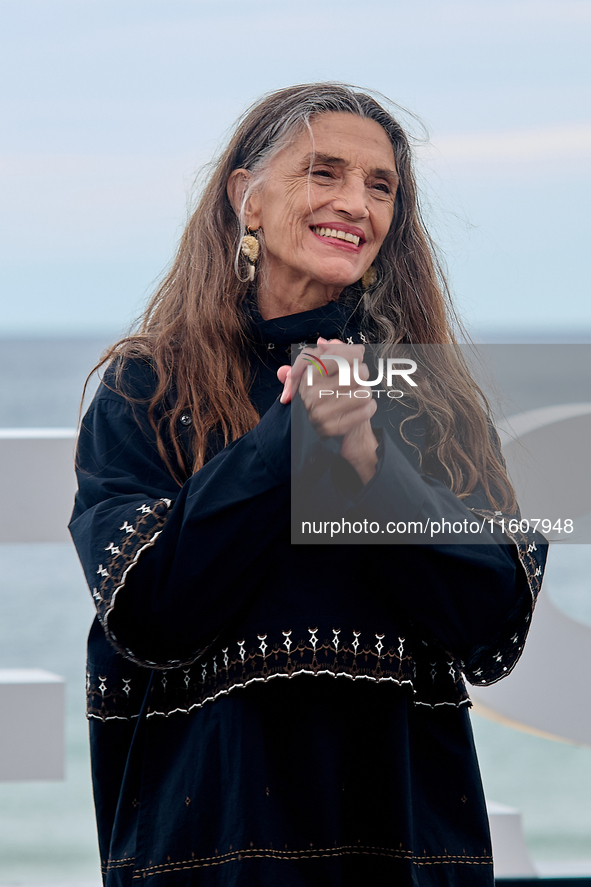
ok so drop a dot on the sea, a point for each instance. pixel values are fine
(47, 832)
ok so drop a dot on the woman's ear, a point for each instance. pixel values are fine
(236, 188)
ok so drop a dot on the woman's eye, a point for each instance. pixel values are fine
(326, 173)
(383, 187)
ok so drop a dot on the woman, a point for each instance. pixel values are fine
(207, 768)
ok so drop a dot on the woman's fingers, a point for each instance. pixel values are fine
(332, 419)
(291, 377)
(284, 376)
(306, 359)
(283, 372)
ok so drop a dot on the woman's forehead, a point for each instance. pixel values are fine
(340, 138)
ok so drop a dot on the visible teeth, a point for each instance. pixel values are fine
(340, 235)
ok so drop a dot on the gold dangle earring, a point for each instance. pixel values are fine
(369, 278)
(250, 249)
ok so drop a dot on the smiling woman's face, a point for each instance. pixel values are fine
(325, 209)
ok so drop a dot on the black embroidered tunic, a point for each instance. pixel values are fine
(263, 713)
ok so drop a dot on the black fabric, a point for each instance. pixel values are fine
(313, 781)
(224, 658)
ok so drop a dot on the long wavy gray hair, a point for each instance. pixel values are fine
(194, 331)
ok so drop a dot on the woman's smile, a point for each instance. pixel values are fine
(339, 235)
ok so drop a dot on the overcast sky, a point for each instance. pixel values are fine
(110, 108)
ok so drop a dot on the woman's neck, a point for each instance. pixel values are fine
(280, 301)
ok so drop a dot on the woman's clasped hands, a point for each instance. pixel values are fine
(336, 410)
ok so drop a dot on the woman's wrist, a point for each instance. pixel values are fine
(359, 449)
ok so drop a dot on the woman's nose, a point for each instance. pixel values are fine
(352, 198)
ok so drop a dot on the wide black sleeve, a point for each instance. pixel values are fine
(148, 546)
(473, 594)
(477, 593)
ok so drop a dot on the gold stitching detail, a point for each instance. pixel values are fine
(289, 855)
